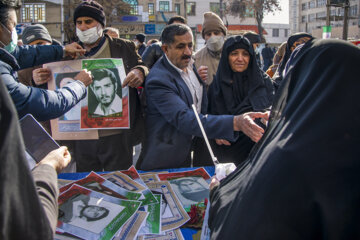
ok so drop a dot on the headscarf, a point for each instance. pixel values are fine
(276, 60)
(302, 179)
(239, 92)
(292, 42)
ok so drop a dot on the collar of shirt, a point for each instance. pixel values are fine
(94, 49)
(192, 82)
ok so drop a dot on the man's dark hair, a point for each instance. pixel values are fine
(170, 31)
(91, 219)
(103, 73)
(5, 6)
(177, 18)
(154, 40)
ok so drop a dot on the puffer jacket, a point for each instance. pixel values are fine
(42, 104)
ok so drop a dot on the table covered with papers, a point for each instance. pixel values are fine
(131, 204)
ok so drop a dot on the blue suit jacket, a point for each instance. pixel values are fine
(170, 120)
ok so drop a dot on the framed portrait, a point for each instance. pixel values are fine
(67, 127)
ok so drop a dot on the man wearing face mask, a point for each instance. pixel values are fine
(139, 43)
(207, 58)
(113, 149)
(42, 104)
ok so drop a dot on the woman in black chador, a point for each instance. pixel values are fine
(239, 86)
(301, 181)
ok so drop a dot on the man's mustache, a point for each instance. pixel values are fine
(185, 57)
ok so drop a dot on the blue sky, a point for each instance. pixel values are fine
(280, 16)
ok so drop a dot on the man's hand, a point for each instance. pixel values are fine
(41, 75)
(203, 73)
(74, 50)
(214, 183)
(245, 123)
(134, 79)
(58, 159)
(222, 142)
(85, 77)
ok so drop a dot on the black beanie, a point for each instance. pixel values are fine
(140, 37)
(91, 9)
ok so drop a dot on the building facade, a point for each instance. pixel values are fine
(129, 16)
(310, 16)
(276, 33)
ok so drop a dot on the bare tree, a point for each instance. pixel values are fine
(244, 8)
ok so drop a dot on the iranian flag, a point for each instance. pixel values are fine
(326, 32)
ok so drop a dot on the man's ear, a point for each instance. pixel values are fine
(164, 47)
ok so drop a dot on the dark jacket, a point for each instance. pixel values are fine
(28, 200)
(152, 54)
(41, 103)
(170, 120)
(141, 49)
(125, 49)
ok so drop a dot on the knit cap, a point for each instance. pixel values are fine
(35, 32)
(91, 9)
(212, 22)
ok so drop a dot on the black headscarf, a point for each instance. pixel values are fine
(22, 216)
(292, 42)
(239, 92)
(302, 179)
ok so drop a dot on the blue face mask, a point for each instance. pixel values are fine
(14, 39)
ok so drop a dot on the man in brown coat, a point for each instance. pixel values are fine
(113, 149)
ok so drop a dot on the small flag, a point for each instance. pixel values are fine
(326, 32)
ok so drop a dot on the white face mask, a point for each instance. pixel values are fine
(89, 36)
(215, 43)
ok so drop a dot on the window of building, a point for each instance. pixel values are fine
(275, 32)
(312, 4)
(151, 9)
(311, 17)
(286, 32)
(177, 8)
(32, 12)
(191, 8)
(320, 15)
(321, 3)
(304, 6)
(340, 11)
(164, 6)
(303, 19)
(215, 7)
(134, 7)
(354, 10)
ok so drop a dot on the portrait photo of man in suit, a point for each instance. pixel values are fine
(105, 99)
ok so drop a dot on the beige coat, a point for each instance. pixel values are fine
(204, 58)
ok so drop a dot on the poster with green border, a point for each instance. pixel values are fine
(107, 103)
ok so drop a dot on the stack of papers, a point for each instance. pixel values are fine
(128, 205)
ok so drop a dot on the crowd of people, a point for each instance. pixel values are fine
(280, 120)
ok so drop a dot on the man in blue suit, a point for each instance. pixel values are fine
(172, 86)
